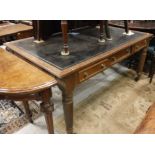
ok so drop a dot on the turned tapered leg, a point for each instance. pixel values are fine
(141, 63)
(47, 108)
(64, 28)
(68, 110)
(28, 111)
(67, 86)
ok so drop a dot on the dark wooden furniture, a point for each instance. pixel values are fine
(43, 30)
(87, 58)
(139, 25)
(143, 26)
(152, 66)
(20, 81)
(147, 126)
(11, 31)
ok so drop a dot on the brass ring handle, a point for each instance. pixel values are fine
(103, 66)
(128, 51)
(85, 74)
(113, 58)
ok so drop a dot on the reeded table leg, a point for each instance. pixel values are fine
(141, 63)
(47, 109)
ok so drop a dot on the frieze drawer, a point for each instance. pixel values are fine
(119, 56)
(102, 65)
(139, 46)
(92, 70)
(24, 34)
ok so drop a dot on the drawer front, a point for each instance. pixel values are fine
(24, 34)
(138, 46)
(102, 65)
(119, 56)
(92, 70)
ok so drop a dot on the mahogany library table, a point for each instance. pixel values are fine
(87, 58)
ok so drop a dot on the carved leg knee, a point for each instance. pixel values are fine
(47, 109)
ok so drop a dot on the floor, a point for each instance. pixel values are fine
(82, 91)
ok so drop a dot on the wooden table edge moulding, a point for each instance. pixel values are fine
(19, 30)
(70, 77)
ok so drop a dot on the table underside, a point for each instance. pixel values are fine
(82, 45)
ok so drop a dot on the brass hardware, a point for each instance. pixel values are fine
(113, 59)
(18, 34)
(137, 47)
(85, 74)
(128, 50)
(103, 66)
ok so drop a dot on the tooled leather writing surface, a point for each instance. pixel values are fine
(83, 45)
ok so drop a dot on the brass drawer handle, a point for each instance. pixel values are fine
(113, 59)
(128, 51)
(137, 47)
(18, 34)
(85, 74)
(103, 66)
